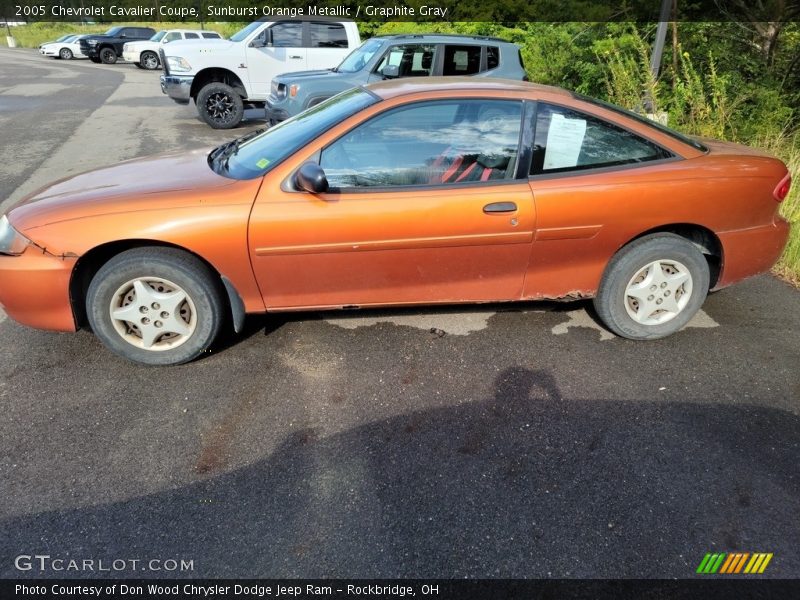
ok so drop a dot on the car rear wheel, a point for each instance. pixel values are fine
(220, 106)
(108, 56)
(65, 53)
(155, 306)
(149, 60)
(652, 287)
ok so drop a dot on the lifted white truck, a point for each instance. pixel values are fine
(222, 77)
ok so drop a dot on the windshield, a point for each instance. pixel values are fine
(262, 153)
(359, 57)
(113, 31)
(157, 37)
(244, 32)
(654, 124)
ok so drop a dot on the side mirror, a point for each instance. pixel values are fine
(390, 71)
(311, 178)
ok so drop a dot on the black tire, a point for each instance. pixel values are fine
(614, 304)
(171, 265)
(220, 106)
(95, 59)
(108, 55)
(149, 60)
(138, 65)
(65, 53)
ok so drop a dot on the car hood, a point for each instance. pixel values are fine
(305, 76)
(141, 45)
(152, 183)
(206, 46)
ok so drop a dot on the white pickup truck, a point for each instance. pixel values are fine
(222, 77)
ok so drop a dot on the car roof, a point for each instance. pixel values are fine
(414, 85)
(444, 38)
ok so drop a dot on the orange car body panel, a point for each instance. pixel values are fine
(290, 250)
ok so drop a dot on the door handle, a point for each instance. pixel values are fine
(294, 56)
(500, 207)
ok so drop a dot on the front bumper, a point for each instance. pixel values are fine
(34, 289)
(275, 115)
(90, 51)
(129, 56)
(748, 252)
(177, 87)
(48, 52)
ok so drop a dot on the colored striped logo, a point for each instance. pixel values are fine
(732, 563)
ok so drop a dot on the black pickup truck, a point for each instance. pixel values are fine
(107, 47)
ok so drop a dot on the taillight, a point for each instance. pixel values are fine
(782, 189)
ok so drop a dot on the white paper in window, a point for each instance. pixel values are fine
(564, 140)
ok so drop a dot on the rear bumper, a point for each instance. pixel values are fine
(748, 252)
(34, 290)
(177, 87)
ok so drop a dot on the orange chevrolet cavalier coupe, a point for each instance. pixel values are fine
(399, 193)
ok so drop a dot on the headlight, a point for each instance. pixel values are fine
(92, 42)
(278, 90)
(176, 63)
(12, 242)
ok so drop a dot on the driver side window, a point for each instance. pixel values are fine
(428, 143)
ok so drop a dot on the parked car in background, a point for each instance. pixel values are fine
(426, 191)
(145, 54)
(107, 47)
(225, 77)
(392, 57)
(61, 39)
(66, 49)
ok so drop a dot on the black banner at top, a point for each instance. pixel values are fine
(498, 11)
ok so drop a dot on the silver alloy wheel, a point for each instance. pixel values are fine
(65, 53)
(150, 61)
(658, 292)
(153, 313)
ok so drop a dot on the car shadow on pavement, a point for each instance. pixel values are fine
(525, 483)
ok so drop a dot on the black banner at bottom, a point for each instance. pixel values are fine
(443, 589)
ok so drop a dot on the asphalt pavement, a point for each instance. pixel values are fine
(492, 441)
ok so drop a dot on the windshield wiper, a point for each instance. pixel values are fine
(221, 154)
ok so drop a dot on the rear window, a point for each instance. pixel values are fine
(461, 60)
(649, 122)
(328, 35)
(211, 36)
(492, 57)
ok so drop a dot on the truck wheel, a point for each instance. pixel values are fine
(652, 287)
(149, 61)
(95, 59)
(156, 306)
(108, 56)
(138, 65)
(220, 105)
(65, 53)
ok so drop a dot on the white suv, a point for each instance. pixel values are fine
(145, 55)
(223, 77)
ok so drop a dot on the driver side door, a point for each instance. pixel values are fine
(424, 206)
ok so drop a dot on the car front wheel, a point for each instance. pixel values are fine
(65, 53)
(220, 106)
(108, 56)
(652, 287)
(156, 306)
(149, 60)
